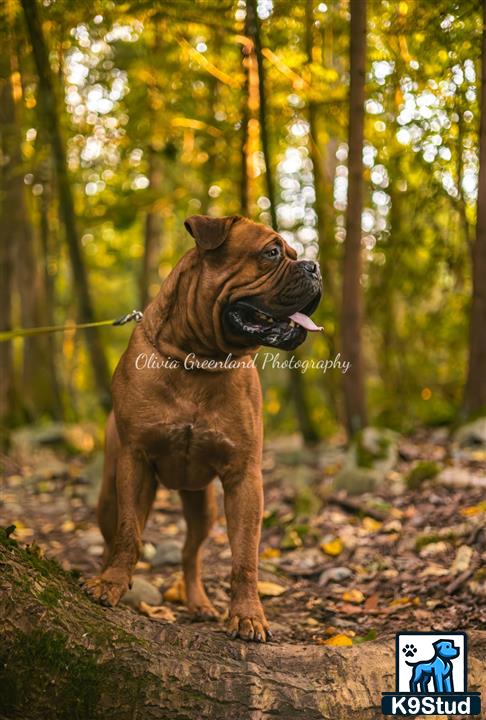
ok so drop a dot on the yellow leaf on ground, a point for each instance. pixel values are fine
(399, 601)
(176, 593)
(270, 553)
(353, 596)
(67, 526)
(371, 525)
(333, 547)
(270, 589)
(474, 509)
(337, 641)
(160, 612)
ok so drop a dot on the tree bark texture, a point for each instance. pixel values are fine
(62, 656)
(153, 234)
(253, 25)
(352, 303)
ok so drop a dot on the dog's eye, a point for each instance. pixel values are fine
(272, 253)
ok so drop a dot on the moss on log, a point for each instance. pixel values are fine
(62, 656)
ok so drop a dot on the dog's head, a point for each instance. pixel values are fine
(446, 649)
(261, 293)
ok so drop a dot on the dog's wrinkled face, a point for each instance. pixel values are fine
(264, 294)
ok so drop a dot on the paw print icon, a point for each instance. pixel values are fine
(409, 650)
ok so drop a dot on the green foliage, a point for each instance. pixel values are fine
(366, 458)
(163, 85)
(423, 470)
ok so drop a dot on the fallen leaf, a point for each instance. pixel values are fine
(371, 602)
(176, 593)
(270, 552)
(462, 560)
(339, 640)
(400, 601)
(291, 540)
(370, 524)
(353, 596)
(474, 509)
(434, 570)
(370, 635)
(159, 612)
(333, 547)
(270, 589)
(142, 565)
(349, 609)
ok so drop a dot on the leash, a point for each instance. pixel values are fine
(6, 335)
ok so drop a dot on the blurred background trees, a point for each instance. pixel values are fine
(118, 121)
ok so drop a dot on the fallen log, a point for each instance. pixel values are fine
(62, 656)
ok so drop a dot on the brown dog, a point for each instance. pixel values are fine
(240, 287)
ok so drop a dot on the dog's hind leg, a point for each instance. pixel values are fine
(134, 488)
(199, 508)
(107, 510)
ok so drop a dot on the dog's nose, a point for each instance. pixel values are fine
(310, 266)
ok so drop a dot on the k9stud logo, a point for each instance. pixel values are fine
(431, 676)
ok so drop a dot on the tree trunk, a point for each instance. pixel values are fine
(8, 404)
(47, 99)
(246, 49)
(306, 426)
(153, 235)
(62, 656)
(475, 392)
(325, 226)
(352, 305)
(253, 24)
(46, 233)
(301, 404)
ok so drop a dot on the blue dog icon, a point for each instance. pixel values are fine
(439, 669)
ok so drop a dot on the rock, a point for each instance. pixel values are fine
(372, 454)
(70, 437)
(96, 550)
(462, 559)
(93, 473)
(169, 552)
(434, 548)
(421, 471)
(472, 435)
(334, 574)
(375, 448)
(91, 536)
(141, 591)
(357, 481)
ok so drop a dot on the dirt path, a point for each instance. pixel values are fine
(330, 573)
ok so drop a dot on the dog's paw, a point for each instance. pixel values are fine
(409, 650)
(249, 626)
(106, 589)
(203, 612)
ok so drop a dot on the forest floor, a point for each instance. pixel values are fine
(333, 569)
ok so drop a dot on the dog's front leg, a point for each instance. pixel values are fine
(243, 502)
(112, 584)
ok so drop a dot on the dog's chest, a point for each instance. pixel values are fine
(187, 455)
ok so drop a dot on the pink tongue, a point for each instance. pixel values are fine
(306, 322)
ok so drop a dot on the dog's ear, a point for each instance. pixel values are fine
(208, 232)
